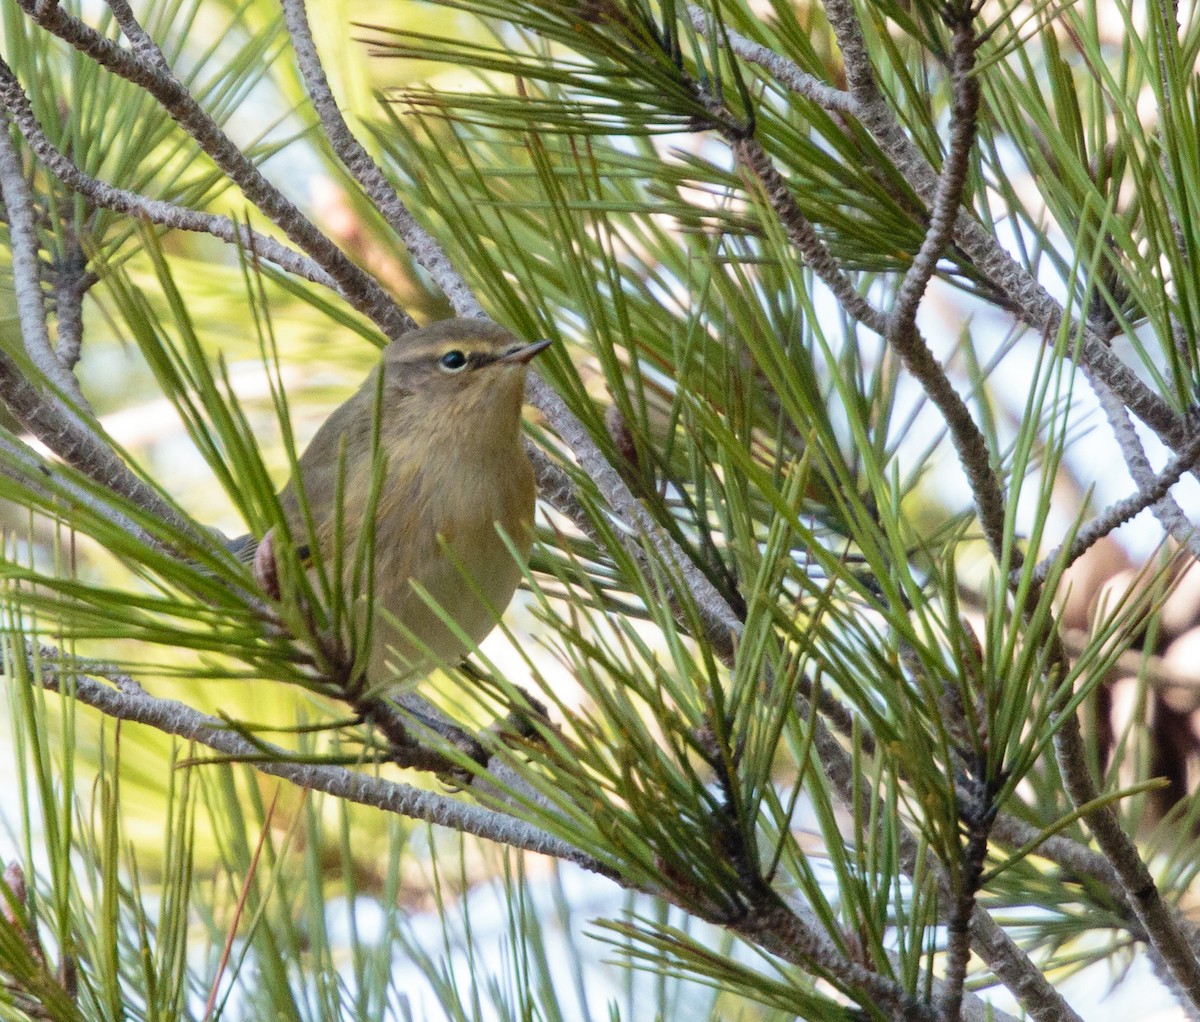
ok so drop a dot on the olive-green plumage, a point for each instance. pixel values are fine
(456, 467)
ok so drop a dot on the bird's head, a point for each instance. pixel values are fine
(462, 365)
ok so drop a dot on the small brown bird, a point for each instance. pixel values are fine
(456, 469)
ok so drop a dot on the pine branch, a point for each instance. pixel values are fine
(1010, 964)
(1151, 491)
(157, 211)
(125, 700)
(1169, 514)
(1031, 301)
(147, 68)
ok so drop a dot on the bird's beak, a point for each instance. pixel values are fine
(522, 356)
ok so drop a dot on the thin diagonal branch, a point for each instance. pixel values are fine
(555, 487)
(1169, 514)
(80, 446)
(1122, 511)
(950, 184)
(753, 158)
(1033, 303)
(1173, 942)
(84, 449)
(46, 481)
(777, 66)
(899, 329)
(1164, 932)
(856, 60)
(721, 623)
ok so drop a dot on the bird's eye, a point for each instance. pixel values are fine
(453, 361)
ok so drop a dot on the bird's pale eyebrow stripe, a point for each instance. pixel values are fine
(427, 352)
(478, 351)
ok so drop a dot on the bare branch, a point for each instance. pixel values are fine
(81, 446)
(750, 155)
(1173, 943)
(951, 181)
(46, 480)
(860, 73)
(555, 487)
(1169, 514)
(901, 331)
(977, 814)
(1164, 932)
(778, 67)
(1037, 308)
(1115, 515)
(27, 278)
(1019, 975)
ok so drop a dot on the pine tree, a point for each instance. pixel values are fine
(852, 303)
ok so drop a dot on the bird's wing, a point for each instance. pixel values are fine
(243, 548)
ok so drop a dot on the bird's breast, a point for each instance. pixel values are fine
(460, 503)
(438, 529)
